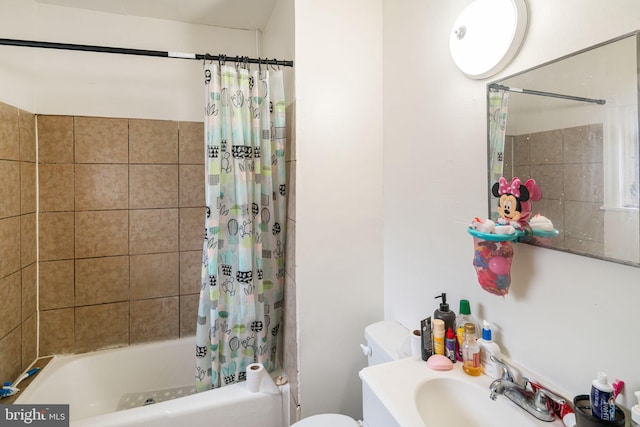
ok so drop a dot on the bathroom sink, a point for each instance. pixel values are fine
(452, 401)
(406, 393)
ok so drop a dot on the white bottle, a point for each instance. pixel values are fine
(635, 412)
(489, 348)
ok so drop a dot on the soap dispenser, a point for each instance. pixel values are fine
(444, 313)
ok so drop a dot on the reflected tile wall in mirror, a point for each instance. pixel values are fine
(557, 160)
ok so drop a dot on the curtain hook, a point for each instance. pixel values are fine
(222, 59)
(245, 62)
(237, 61)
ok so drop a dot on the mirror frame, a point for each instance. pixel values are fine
(500, 81)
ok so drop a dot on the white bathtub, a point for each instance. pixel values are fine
(94, 383)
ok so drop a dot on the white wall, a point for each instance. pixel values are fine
(278, 42)
(339, 248)
(96, 84)
(17, 64)
(566, 316)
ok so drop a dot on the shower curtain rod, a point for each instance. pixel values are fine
(143, 52)
(551, 94)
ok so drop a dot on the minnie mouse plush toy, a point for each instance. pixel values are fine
(514, 204)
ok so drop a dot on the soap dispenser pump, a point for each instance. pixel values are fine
(444, 313)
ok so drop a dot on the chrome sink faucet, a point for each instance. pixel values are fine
(536, 404)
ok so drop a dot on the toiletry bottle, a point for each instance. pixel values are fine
(471, 351)
(635, 412)
(489, 348)
(438, 336)
(463, 318)
(450, 345)
(603, 405)
(444, 313)
(426, 338)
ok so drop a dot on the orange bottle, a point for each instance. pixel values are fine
(471, 351)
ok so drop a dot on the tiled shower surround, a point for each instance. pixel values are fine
(121, 205)
(18, 267)
(120, 209)
(559, 160)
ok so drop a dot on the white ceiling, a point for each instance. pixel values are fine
(246, 14)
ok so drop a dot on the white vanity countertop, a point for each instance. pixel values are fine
(396, 383)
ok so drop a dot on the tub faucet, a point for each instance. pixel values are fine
(536, 404)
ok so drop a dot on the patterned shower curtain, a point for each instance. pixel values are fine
(498, 102)
(241, 293)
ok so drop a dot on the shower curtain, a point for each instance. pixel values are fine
(241, 293)
(498, 102)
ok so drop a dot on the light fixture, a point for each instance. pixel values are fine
(487, 35)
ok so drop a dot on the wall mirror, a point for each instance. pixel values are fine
(572, 125)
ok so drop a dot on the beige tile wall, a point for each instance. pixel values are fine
(121, 206)
(17, 241)
(559, 160)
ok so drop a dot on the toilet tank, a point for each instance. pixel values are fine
(387, 340)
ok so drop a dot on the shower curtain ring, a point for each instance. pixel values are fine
(222, 59)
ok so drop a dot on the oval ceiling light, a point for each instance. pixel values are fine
(487, 35)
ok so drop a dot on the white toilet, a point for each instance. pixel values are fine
(386, 341)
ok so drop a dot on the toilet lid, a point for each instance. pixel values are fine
(326, 420)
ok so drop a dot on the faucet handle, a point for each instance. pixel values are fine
(507, 374)
(543, 395)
